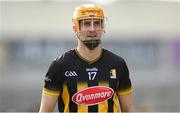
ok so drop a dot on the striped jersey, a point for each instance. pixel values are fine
(87, 86)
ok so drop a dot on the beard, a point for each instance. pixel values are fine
(92, 43)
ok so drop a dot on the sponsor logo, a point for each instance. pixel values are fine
(92, 69)
(93, 95)
(113, 74)
(70, 73)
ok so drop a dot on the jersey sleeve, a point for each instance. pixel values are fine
(53, 80)
(124, 86)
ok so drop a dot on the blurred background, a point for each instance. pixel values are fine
(146, 33)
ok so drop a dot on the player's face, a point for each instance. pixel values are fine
(91, 29)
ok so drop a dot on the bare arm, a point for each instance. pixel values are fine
(48, 103)
(126, 102)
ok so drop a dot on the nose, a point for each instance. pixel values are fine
(92, 26)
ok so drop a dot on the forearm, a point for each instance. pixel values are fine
(129, 108)
(46, 109)
(126, 103)
(48, 103)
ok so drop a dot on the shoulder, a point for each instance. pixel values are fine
(110, 56)
(64, 58)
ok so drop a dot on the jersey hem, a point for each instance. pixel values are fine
(50, 92)
(124, 92)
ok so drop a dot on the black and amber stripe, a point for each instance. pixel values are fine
(81, 86)
(125, 91)
(93, 108)
(103, 107)
(72, 89)
(66, 98)
(50, 92)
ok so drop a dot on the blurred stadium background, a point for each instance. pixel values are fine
(145, 32)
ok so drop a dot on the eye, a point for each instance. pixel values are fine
(96, 23)
(87, 23)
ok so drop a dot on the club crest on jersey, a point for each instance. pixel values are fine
(93, 95)
(47, 79)
(113, 74)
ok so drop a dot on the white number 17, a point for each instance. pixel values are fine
(92, 75)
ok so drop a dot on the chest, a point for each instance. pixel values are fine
(91, 75)
(90, 84)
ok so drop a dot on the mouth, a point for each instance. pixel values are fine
(91, 36)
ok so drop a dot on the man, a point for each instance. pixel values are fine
(88, 78)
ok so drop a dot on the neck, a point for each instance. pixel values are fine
(89, 55)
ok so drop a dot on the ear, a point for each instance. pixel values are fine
(75, 28)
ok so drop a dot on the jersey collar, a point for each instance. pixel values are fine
(87, 61)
